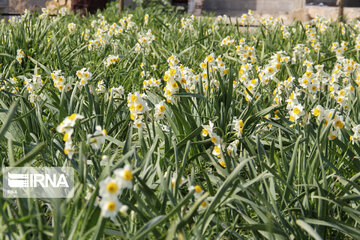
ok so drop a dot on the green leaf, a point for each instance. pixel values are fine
(7, 121)
(308, 229)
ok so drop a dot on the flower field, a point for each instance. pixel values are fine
(182, 127)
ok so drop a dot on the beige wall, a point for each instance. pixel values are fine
(238, 7)
(231, 7)
(18, 6)
(278, 6)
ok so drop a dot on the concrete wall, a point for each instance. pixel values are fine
(332, 12)
(269, 6)
(238, 7)
(347, 3)
(3, 6)
(18, 6)
(230, 7)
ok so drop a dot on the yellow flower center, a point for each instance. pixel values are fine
(72, 116)
(197, 189)
(112, 187)
(132, 107)
(317, 112)
(128, 175)
(205, 132)
(175, 85)
(162, 108)
(296, 111)
(111, 206)
(241, 123)
(133, 98)
(223, 164)
(339, 124)
(172, 71)
(139, 107)
(132, 116)
(66, 137)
